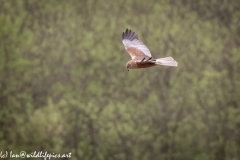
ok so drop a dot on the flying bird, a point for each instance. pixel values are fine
(141, 56)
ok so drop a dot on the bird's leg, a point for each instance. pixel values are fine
(143, 59)
(149, 58)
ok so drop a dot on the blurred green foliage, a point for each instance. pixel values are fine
(64, 86)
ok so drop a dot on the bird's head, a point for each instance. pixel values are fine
(130, 65)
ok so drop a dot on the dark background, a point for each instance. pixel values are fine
(64, 86)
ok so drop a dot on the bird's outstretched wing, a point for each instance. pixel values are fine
(134, 46)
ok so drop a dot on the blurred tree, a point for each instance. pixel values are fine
(64, 86)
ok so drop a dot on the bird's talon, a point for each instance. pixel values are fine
(143, 59)
(149, 59)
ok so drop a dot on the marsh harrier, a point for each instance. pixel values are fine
(141, 56)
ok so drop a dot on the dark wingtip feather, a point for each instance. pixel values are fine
(134, 37)
(131, 36)
(128, 34)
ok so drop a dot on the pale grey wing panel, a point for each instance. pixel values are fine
(130, 40)
(136, 54)
(138, 45)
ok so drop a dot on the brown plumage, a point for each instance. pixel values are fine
(141, 56)
(132, 64)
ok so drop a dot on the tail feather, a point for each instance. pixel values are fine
(167, 61)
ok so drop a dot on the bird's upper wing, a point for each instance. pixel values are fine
(134, 46)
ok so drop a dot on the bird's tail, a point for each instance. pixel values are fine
(168, 61)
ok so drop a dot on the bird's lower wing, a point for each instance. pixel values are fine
(136, 54)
